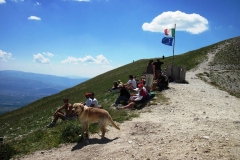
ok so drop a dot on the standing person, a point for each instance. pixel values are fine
(158, 67)
(156, 81)
(150, 74)
(124, 95)
(59, 114)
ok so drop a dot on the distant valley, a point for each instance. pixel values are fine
(18, 88)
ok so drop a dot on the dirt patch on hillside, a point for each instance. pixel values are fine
(199, 122)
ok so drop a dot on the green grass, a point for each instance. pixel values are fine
(24, 130)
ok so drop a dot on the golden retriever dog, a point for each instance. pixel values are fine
(89, 115)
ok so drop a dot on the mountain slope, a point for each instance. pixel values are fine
(27, 122)
(21, 88)
(224, 68)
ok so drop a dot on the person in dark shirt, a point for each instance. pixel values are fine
(150, 75)
(124, 95)
(158, 67)
(161, 82)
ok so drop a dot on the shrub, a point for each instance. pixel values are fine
(71, 133)
(7, 151)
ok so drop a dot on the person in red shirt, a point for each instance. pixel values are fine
(141, 97)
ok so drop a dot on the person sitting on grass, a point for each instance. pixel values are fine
(94, 101)
(59, 114)
(141, 97)
(89, 99)
(119, 82)
(124, 95)
(114, 87)
(131, 83)
(161, 82)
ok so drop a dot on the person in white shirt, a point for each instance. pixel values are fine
(94, 101)
(131, 84)
(89, 100)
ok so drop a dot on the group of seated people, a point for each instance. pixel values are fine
(130, 85)
(161, 82)
(131, 99)
(115, 86)
(133, 84)
(142, 96)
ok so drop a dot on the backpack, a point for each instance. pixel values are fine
(151, 95)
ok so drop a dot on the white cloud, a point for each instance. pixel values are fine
(39, 58)
(48, 54)
(2, 1)
(192, 23)
(37, 4)
(4, 55)
(100, 59)
(34, 18)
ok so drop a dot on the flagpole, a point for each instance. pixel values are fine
(173, 50)
(174, 43)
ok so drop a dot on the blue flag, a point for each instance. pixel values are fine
(167, 41)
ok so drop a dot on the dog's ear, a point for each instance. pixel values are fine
(82, 106)
(74, 106)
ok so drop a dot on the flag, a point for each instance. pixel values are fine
(170, 32)
(167, 41)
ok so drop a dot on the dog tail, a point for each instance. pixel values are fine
(110, 119)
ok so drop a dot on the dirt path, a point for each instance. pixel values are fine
(199, 122)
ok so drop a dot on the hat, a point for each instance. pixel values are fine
(119, 80)
(120, 85)
(87, 94)
(140, 85)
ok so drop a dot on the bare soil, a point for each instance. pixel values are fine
(199, 122)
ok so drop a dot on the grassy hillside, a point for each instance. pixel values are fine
(226, 67)
(224, 70)
(24, 130)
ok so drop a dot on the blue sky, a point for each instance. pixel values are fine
(89, 37)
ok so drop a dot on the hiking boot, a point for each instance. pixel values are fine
(114, 105)
(51, 125)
